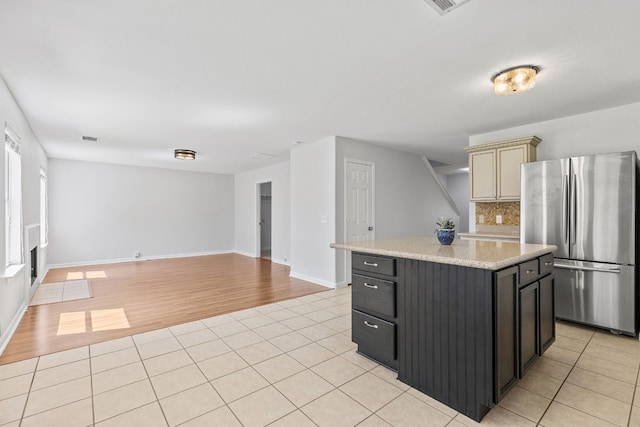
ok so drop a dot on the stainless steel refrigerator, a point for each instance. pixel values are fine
(587, 207)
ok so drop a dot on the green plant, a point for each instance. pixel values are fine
(445, 224)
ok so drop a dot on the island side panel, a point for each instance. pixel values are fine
(445, 333)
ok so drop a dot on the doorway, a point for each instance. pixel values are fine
(264, 215)
(359, 204)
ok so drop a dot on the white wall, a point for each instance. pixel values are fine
(458, 188)
(313, 199)
(603, 131)
(101, 212)
(15, 291)
(246, 228)
(408, 197)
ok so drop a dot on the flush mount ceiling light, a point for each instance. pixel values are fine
(183, 154)
(515, 79)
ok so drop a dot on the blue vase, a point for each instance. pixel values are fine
(446, 237)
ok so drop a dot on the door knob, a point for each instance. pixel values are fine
(370, 228)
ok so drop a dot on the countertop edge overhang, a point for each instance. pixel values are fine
(490, 235)
(484, 254)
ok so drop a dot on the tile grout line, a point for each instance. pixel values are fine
(135, 345)
(225, 404)
(553, 399)
(270, 384)
(26, 402)
(633, 396)
(93, 403)
(52, 385)
(565, 382)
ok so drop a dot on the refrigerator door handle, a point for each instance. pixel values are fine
(574, 214)
(565, 208)
(575, 267)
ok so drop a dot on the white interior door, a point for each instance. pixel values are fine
(359, 204)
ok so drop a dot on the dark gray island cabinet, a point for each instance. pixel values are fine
(461, 334)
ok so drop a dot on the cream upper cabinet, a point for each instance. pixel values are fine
(494, 169)
(482, 173)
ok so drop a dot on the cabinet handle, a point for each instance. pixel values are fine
(371, 286)
(548, 263)
(372, 264)
(371, 325)
(530, 271)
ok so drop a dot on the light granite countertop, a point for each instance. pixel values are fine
(485, 254)
(491, 235)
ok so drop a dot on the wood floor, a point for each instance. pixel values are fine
(134, 297)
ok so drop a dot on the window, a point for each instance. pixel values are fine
(12, 197)
(44, 212)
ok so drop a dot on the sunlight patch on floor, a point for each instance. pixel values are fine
(72, 323)
(106, 320)
(99, 320)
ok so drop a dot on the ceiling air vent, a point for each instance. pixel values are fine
(262, 156)
(90, 138)
(445, 6)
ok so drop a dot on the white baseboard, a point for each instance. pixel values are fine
(252, 255)
(147, 258)
(341, 285)
(245, 253)
(43, 274)
(312, 279)
(11, 329)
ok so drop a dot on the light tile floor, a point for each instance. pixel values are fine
(49, 293)
(292, 363)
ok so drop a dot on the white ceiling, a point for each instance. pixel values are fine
(230, 78)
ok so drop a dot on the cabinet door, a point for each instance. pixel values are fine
(528, 324)
(509, 161)
(482, 170)
(547, 313)
(506, 350)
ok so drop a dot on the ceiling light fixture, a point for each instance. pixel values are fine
(515, 79)
(183, 154)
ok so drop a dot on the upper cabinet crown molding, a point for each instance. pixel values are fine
(529, 140)
(494, 169)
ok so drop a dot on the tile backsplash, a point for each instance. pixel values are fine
(510, 212)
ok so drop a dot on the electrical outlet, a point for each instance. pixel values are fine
(498, 219)
(481, 219)
(136, 254)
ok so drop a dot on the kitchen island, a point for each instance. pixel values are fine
(461, 323)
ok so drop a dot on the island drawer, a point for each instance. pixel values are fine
(376, 338)
(374, 264)
(374, 295)
(528, 271)
(546, 264)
